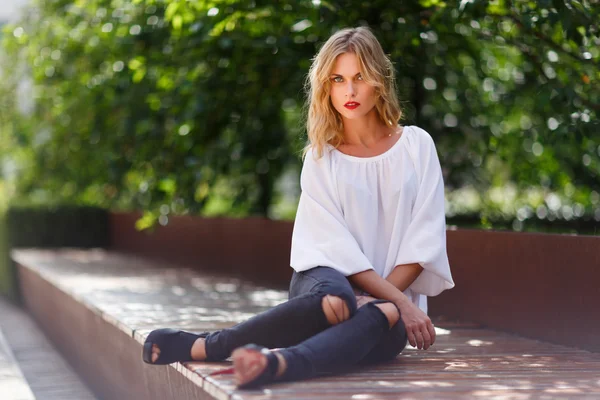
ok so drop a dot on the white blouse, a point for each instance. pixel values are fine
(362, 213)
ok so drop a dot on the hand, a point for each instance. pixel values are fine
(419, 329)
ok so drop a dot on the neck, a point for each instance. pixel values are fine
(366, 131)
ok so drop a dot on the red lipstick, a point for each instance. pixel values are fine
(351, 105)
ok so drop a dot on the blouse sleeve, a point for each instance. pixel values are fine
(425, 239)
(320, 235)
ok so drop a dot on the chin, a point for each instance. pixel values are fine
(353, 116)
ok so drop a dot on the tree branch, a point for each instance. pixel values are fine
(545, 39)
(534, 59)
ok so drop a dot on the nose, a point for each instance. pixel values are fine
(350, 92)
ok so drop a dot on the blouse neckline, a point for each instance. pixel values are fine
(372, 158)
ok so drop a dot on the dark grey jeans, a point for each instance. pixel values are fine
(309, 343)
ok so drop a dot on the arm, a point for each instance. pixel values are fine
(424, 241)
(402, 276)
(321, 235)
(419, 329)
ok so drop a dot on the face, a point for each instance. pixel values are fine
(347, 85)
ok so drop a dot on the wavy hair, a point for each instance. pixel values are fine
(323, 122)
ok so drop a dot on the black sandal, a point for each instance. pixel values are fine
(268, 374)
(174, 345)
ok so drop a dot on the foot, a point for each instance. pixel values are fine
(197, 352)
(250, 363)
(166, 346)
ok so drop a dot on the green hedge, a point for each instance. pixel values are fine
(47, 227)
(57, 227)
(8, 285)
(580, 226)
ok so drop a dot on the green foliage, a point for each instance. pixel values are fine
(176, 106)
(139, 105)
(8, 276)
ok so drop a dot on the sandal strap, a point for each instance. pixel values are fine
(175, 345)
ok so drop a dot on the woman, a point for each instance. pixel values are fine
(369, 239)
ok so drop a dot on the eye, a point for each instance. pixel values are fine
(335, 79)
(359, 77)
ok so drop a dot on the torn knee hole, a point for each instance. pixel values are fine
(335, 309)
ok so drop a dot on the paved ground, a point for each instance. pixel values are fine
(467, 361)
(13, 385)
(47, 373)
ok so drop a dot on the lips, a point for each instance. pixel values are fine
(351, 105)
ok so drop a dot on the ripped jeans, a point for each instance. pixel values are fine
(310, 344)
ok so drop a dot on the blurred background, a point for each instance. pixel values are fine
(195, 107)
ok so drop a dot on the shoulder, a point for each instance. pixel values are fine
(313, 160)
(419, 135)
(316, 169)
(421, 143)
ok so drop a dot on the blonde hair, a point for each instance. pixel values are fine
(323, 123)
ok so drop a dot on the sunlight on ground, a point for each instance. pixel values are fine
(493, 395)
(431, 384)
(478, 343)
(441, 331)
(268, 298)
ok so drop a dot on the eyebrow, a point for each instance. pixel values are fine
(358, 73)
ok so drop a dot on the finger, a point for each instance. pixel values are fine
(411, 338)
(419, 337)
(426, 338)
(431, 330)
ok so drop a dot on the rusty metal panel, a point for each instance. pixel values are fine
(537, 285)
(256, 249)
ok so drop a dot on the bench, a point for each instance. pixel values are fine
(98, 306)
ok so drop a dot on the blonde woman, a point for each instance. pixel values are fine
(369, 239)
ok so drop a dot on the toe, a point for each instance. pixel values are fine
(155, 353)
(248, 365)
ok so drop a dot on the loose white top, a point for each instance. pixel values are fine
(362, 213)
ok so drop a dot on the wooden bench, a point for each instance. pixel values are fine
(98, 306)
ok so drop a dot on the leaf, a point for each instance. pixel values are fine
(171, 10)
(177, 22)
